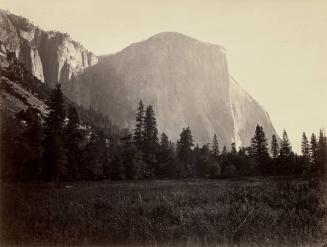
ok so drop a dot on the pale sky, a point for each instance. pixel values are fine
(276, 49)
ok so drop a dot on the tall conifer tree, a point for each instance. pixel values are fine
(259, 149)
(54, 158)
(314, 152)
(286, 156)
(139, 130)
(151, 141)
(274, 147)
(305, 149)
(185, 144)
(165, 157)
(285, 146)
(184, 151)
(322, 159)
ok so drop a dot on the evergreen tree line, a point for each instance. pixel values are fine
(61, 147)
(33, 147)
(165, 159)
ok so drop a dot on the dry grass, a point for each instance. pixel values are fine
(258, 212)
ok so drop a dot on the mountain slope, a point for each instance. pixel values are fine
(51, 56)
(247, 113)
(187, 82)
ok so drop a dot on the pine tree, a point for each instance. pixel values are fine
(314, 153)
(185, 144)
(322, 159)
(54, 158)
(274, 147)
(139, 130)
(259, 149)
(286, 156)
(215, 168)
(244, 161)
(305, 149)
(164, 142)
(215, 148)
(133, 163)
(285, 146)
(165, 149)
(150, 130)
(164, 156)
(203, 161)
(151, 141)
(184, 151)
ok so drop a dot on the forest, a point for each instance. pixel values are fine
(70, 143)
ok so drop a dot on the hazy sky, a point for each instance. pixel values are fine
(277, 50)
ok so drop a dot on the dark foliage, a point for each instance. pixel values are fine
(85, 145)
(259, 151)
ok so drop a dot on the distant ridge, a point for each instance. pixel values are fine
(51, 56)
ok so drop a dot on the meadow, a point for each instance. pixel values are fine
(239, 212)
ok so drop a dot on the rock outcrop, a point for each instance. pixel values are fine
(51, 56)
(186, 80)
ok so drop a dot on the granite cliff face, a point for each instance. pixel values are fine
(51, 56)
(187, 82)
(246, 114)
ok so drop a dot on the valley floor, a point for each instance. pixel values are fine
(248, 212)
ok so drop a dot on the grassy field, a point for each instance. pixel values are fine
(253, 212)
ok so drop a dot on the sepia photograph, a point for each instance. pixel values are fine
(163, 123)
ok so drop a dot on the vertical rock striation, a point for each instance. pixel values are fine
(187, 82)
(51, 56)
